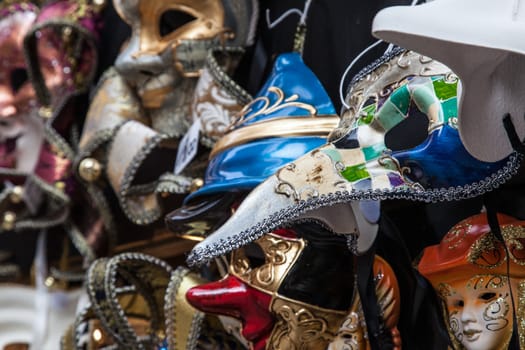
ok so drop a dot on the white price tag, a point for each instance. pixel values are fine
(188, 147)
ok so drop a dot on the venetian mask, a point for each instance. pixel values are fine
(341, 182)
(290, 115)
(169, 44)
(21, 128)
(294, 289)
(39, 71)
(468, 269)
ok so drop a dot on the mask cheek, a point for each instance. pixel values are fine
(455, 325)
(496, 313)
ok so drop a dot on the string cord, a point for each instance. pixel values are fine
(357, 58)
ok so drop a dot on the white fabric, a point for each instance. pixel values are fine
(18, 313)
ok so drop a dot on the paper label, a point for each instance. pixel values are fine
(188, 146)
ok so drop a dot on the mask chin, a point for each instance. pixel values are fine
(346, 219)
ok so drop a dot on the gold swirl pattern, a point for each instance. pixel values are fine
(457, 235)
(302, 326)
(279, 253)
(268, 107)
(487, 252)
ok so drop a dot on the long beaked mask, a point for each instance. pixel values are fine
(290, 115)
(480, 292)
(335, 183)
(170, 41)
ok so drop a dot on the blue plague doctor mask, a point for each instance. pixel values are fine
(290, 116)
(340, 183)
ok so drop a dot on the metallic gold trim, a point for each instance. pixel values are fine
(183, 322)
(521, 314)
(280, 255)
(303, 326)
(352, 335)
(278, 127)
(269, 107)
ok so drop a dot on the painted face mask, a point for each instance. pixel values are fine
(168, 46)
(291, 115)
(468, 269)
(335, 183)
(293, 289)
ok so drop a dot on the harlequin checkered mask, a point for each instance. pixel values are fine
(334, 184)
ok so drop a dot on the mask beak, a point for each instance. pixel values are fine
(250, 222)
(265, 209)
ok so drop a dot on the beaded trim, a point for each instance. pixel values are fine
(148, 275)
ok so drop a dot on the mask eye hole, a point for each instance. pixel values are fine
(458, 303)
(409, 133)
(171, 20)
(487, 296)
(19, 77)
(255, 255)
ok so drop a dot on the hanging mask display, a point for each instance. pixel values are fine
(142, 305)
(482, 292)
(133, 140)
(291, 115)
(283, 121)
(294, 289)
(357, 165)
(52, 57)
(169, 42)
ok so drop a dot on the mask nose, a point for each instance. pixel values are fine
(232, 297)
(137, 67)
(468, 314)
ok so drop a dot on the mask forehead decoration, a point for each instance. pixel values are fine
(291, 115)
(357, 165)
(469, 271)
